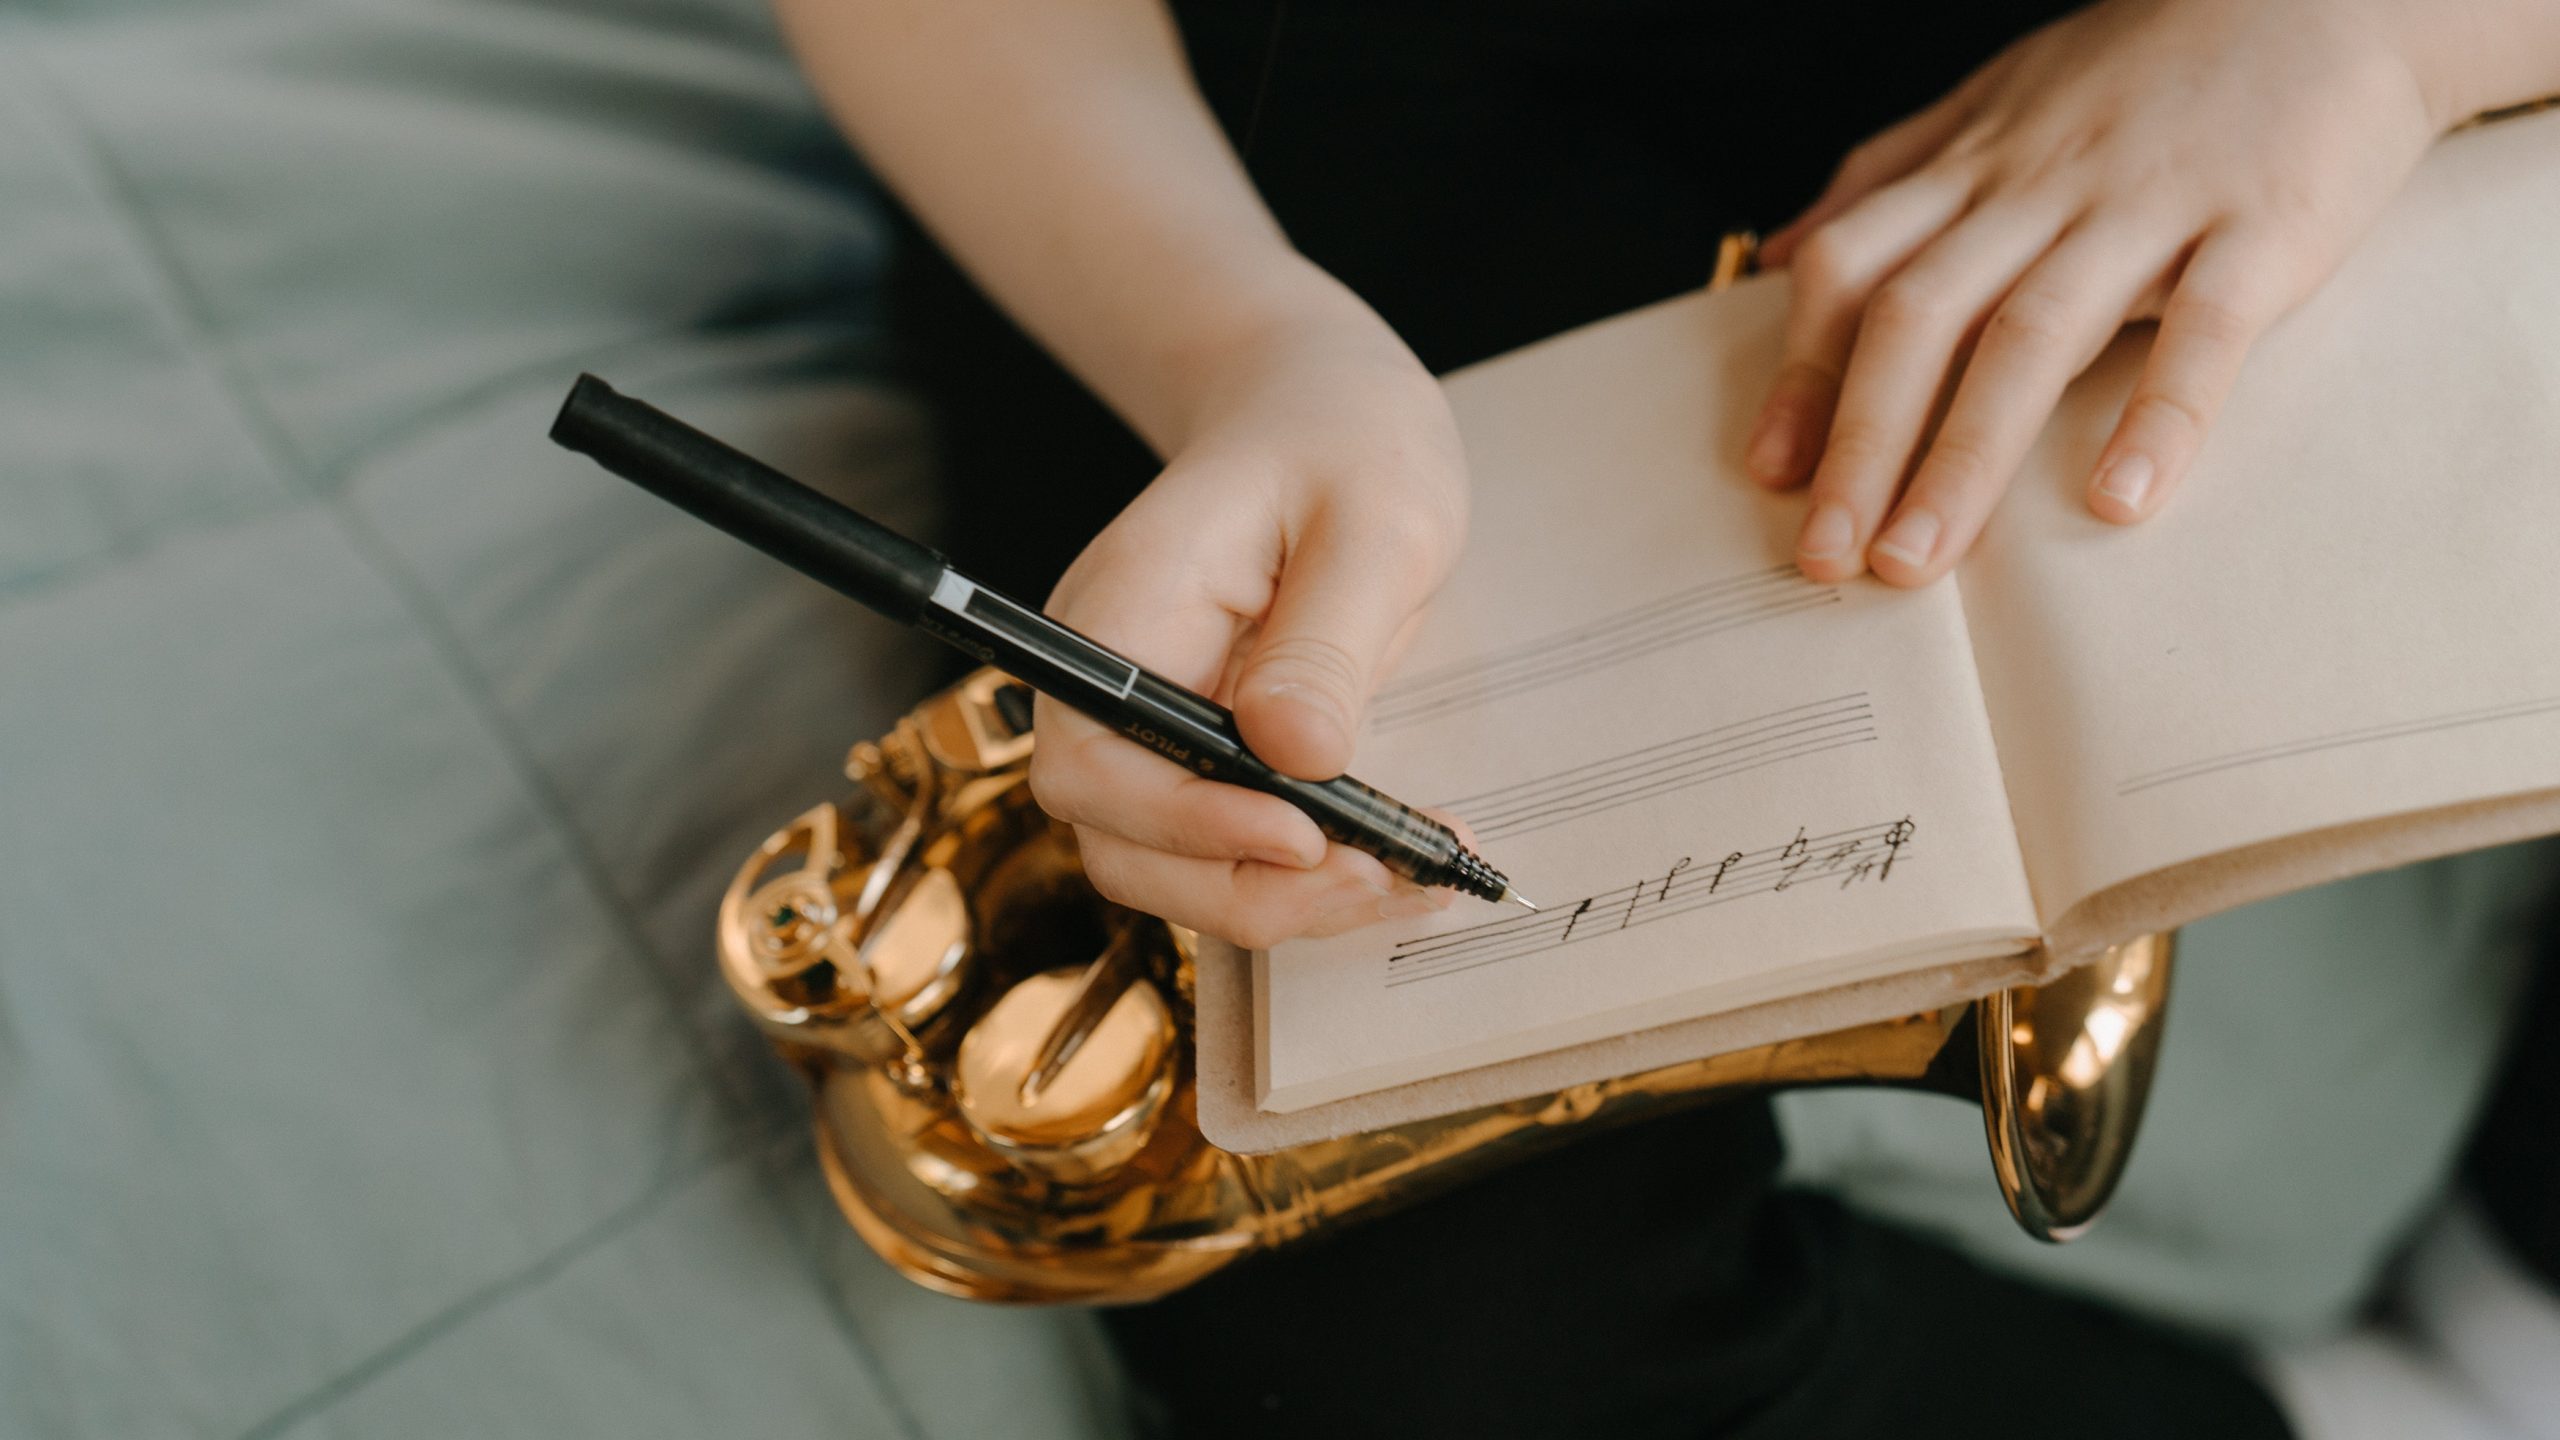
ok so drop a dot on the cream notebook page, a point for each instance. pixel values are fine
(2339, 649)
(1725, 783)
(2351, 609)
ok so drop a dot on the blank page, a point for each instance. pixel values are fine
(2351, 608)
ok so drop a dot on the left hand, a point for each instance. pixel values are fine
(2203, 162)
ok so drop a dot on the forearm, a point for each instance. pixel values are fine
(1059, 150)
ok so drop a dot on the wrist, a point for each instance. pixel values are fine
(2475, 56)
(1251, 327)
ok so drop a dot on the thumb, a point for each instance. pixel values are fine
(1346, 590)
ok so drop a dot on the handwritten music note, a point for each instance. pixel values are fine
(1866, 854)
(1671, 875)
(1724, 867)
(1574, 919)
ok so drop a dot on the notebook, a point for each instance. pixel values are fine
(1755, 806)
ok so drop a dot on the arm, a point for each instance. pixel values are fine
(1313, 494)
(1058, 150)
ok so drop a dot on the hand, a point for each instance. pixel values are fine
(1307, 514)
(2204, 162)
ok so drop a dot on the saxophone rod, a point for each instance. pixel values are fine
(842, 548)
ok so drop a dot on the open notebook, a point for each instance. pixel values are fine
(1756, 806)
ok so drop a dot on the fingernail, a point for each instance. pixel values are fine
(1828, 532)
(1407, 903)
(1313, 699)
(1911, 538)
(2127, 481)
(1772, 452)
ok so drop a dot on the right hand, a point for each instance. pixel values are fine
(1312, 505)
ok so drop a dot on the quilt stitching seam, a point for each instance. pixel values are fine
(265, 428)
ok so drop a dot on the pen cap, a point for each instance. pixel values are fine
(829, 541)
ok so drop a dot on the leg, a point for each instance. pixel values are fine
(2514, 1165)
(1651, 1282)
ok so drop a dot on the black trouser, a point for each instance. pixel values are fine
(2514, 1165)
(1488, 172)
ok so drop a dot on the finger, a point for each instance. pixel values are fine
(1247, 903)
(1906, 344)
(1835, 271)
(1155, 594)
(1465, 832)
(2046, 330)
(2231, 291)
(1878, 161)
(1403, 901)
(1352, 579)
(1140, 589)
(1090, 776)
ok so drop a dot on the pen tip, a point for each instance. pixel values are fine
(1516, 898)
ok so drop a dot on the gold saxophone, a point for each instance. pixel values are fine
(1002, 1059)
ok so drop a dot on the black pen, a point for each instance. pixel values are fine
(840, 547)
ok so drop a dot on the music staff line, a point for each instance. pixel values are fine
(1772, 862)
(1605, 624)
(1844, 857)
(1713, 754)
(1629, 634)
(2368, 735)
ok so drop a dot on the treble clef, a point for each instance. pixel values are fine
(1895, 837)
